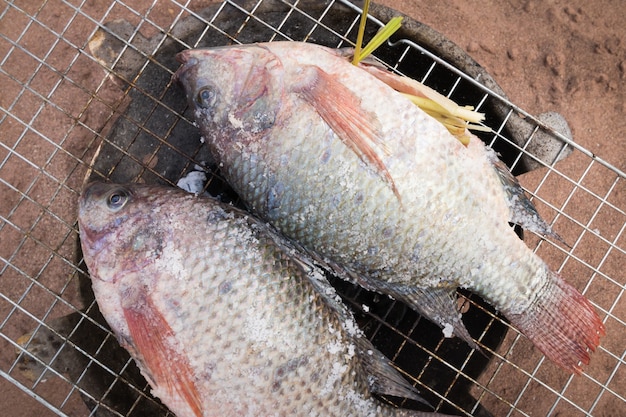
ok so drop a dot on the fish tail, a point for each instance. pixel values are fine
(562, 323)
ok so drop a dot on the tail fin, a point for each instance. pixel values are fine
(562, 323)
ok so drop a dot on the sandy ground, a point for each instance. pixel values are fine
(568, 57)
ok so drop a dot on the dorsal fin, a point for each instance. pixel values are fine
(522, 210)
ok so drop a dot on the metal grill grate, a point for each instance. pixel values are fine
(58, 106)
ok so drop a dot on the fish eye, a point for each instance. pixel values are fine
(117, 199)
(207, 97)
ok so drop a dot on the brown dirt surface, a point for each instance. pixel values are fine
(568, 57)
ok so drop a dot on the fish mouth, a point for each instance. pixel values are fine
(184, 56)
(188, 61)
(92, 245)
(90, 242)
(88, 235)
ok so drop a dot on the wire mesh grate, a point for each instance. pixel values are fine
(87, 88)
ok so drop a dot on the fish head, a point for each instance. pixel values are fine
(234, 91)
(117, 231)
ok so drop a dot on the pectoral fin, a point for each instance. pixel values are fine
(154, 340)
(358, 128)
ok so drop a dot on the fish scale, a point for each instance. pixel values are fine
(313, 210)
(222, 316)
(360, 176)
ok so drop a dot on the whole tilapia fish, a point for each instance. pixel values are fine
(336, 158)
(222, 316)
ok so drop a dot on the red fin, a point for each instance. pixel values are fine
(356, 127)
(563, 324)
(153, 338)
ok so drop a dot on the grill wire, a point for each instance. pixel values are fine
(58, 106)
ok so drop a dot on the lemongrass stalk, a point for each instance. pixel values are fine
(381, 36)
(361, 33)
(455, 118)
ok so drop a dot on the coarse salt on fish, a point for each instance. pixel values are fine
(338, 158)
(223, 316)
